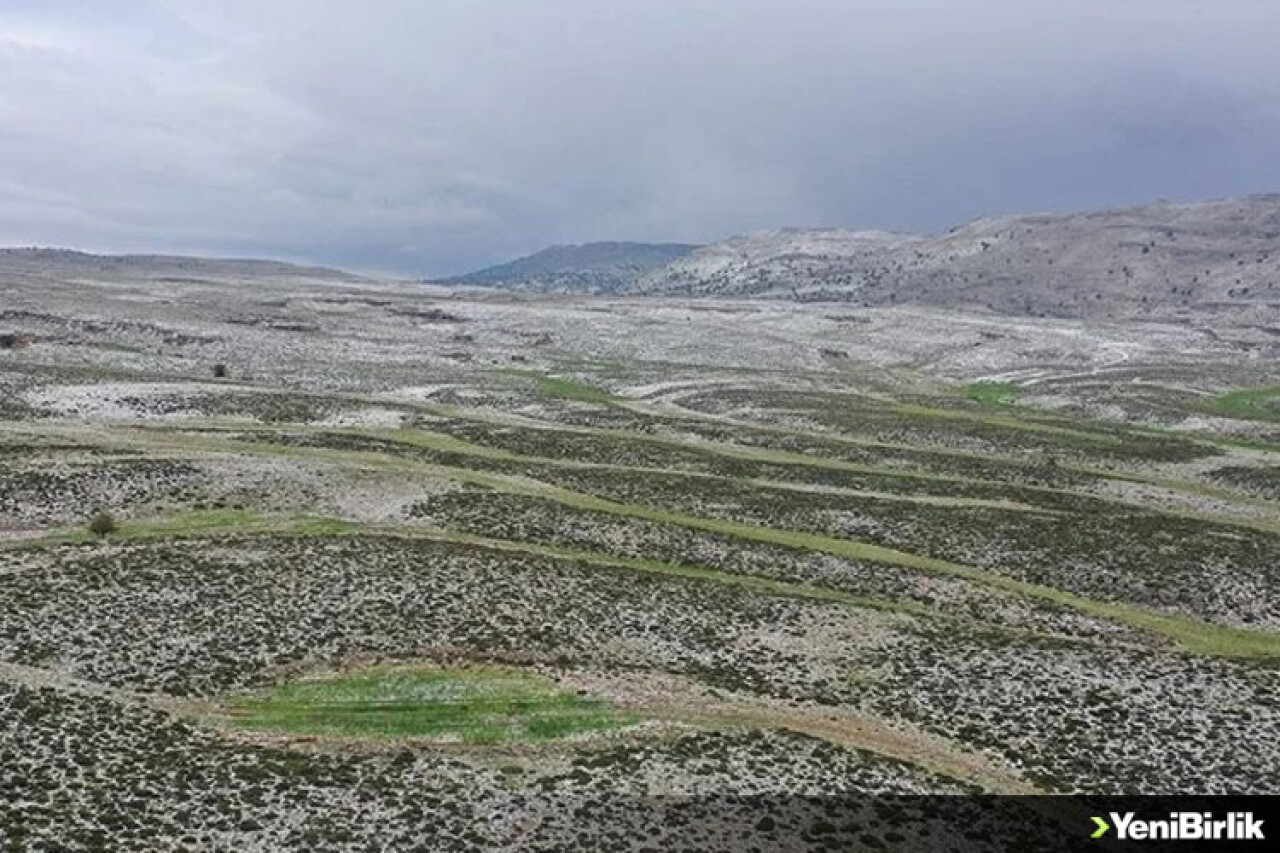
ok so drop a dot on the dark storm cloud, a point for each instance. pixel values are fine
(432, 137)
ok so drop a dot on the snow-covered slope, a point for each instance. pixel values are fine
(1159, 258)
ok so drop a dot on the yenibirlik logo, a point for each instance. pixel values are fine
(1183, 826)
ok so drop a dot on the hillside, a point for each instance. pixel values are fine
(585, 267)
(1157, 259)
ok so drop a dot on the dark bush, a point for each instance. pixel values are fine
(103, 523)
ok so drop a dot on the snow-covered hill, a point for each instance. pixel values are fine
(1157, 259)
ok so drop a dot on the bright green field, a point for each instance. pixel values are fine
(478, 706)
(1256, 404)
(992, 393)
(565, 389)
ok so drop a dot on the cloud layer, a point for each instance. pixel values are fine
(428, 138)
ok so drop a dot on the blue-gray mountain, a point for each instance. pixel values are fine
(582, 268)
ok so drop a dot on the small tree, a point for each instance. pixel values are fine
(103, 524)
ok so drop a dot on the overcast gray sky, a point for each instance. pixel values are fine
(434, 137)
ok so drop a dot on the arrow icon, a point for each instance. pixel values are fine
(1103, 826)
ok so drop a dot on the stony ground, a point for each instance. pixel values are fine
(811, 551)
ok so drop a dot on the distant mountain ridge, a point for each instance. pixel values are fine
(1160, 260)
(580, 268)
(42, 260)
(1155, 259)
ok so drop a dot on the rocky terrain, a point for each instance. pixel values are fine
(1162, 260)
(777, 569)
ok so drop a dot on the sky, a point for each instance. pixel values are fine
(430, 138)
